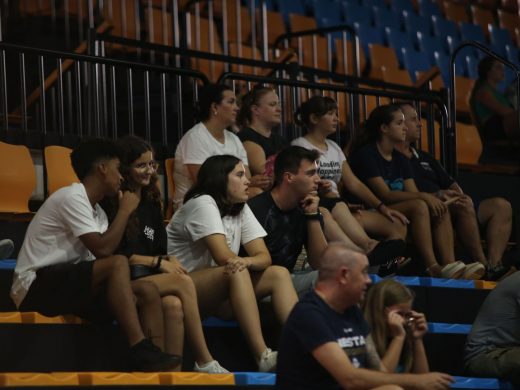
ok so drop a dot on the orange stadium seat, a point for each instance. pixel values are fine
(18, 179)
(58, 168)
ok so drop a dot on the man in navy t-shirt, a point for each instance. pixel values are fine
(326, 344)
(494, 214)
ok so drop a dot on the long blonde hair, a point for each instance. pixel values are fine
(380, 296)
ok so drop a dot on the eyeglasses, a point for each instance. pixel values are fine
(153, 165)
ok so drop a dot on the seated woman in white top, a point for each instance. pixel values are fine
(205, 234)
(217, 111)
(319, 116)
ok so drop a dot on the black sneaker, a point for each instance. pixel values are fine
(498, 272)
(393, 267)
(146, 356)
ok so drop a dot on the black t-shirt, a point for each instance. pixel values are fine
(311, 324)
(286, 230)
(368, 163)
(428, 174)
(151, 234)
(271, 145)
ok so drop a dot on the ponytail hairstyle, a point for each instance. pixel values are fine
(250, 99)
(379, 297)
(318, 106)
(371, 132)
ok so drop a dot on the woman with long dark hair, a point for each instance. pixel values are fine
(206, 234)
(144, 244)
(388, 174)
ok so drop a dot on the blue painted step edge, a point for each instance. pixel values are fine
(7, 264)
(440, 327)
(254, 379)
(479, 383)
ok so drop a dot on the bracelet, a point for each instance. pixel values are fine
(313, 216)
(379, 206)
(158, 265)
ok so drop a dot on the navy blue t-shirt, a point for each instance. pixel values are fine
(313, 323)
(368, 163)
(428, 174)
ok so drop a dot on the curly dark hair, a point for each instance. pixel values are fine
(212, 180)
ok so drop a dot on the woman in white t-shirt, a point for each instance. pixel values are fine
(206, 233)
(319, 115)
(217, 111)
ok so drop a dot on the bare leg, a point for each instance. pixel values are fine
(215, 291)
(111, 275)
(182, 286)
(352, 228)
(173, 326)
(442, 233)
(466, 226)
(276, 281)
(496, 215)
(334, 233)
(417, 212)
(377, 225)
(148, 303)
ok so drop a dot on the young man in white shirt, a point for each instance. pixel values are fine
(66, 264)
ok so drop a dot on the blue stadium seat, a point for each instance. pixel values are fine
(374, 3)
(286, 7)
(472, 66)
(414, 61)
(398, 39)
(353, 13)
(430, 44)
(472, 32)
(368, 34)
(414, 23)
(513, 54)
(326, 9)
(383, 18)
(428, 8)
(443, 28)
(398, 6)
(442, 60)
(500, 37)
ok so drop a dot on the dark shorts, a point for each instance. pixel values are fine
(330, 203)
(66, 289)
(493, 129)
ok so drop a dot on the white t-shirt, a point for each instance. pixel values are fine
(199, 218)
(53, 235)
(330, 162)
(194, 148)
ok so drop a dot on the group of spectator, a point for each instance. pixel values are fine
(245, 206)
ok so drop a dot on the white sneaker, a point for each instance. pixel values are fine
(474, 271)
(267, 361)
(213, 367)
(453, 270)
(6, 248)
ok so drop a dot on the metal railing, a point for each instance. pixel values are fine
(96, 97)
